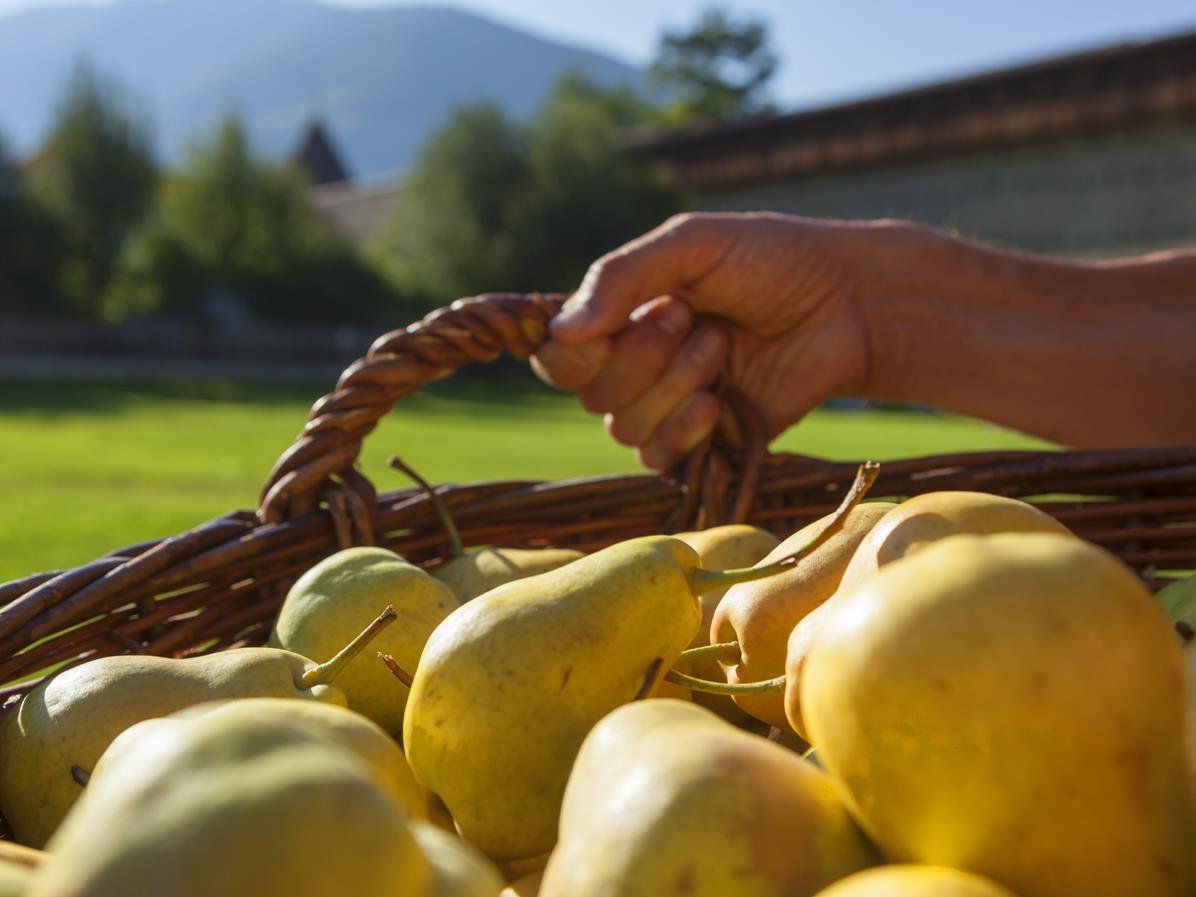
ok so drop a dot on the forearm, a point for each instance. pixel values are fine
(1088, 354)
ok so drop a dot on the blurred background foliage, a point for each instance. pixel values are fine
(92, 227)
(233, 235)
(96, 179)
(493, 202)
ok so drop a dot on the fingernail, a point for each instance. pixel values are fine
(573, 314)
(674, 319)
(707, 344)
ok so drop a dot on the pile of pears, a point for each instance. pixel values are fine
(950, 696)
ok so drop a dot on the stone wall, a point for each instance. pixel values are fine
(1090, 195)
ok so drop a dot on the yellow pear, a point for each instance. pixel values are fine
(511, 682)
(438, 813)
(475, 571)
(478, 570)
(18, 865)
(1178, 601)
(20, 855)
(130, 738)
(912, 525)
(524, 867)
(527, 886)
(915, 881)
(759, 616)
(239, 808)
(15, 879)
(1011, 705)
(341, 594)
(721, 548)
(458, 870)
(924, 519)
(365, 738)
(666, 689)
(58, 732)
(666, 798)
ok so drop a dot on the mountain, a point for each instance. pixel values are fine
(383, 79)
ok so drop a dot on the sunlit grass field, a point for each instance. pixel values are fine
(89, 466)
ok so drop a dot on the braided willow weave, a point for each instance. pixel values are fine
(220, 584)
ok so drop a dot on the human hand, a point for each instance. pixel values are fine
(771, 299)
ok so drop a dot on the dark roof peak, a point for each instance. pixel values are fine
(315, 156)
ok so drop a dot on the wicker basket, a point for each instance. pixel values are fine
(219, 585)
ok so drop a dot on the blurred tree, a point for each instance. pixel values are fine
(491, 205)
(235, 237)
(585, 197)
(718, 68)
(31, 250)
(451, 233)
(10, 175)
(95, 175)
(156, 274)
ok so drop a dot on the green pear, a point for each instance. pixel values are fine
(478, 570)
(667, 798)
(1011, 705)
(758, 616)
(365, 738)
(721, 548)
(61, 728)
(339, 595)
(1178, 601)
(915, 881)
(458, 870)
(511, 682)
(905, 529)
(236, 807)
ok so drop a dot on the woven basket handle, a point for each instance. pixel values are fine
(320, 465)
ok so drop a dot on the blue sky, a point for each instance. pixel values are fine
(846, 48)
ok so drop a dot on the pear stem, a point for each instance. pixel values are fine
(766, 687)
(395, 670)
(324, 673)
(80, 775)
(456, 548)
(703, 581)
(721, 651)
(649, 679)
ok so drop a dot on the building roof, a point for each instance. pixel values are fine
(1111, 88)
(316, 158)
(357, 211)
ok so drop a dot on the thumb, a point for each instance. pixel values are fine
(663, 261)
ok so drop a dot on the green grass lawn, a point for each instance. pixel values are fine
(86, 467)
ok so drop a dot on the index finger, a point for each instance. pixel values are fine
(665, 260)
